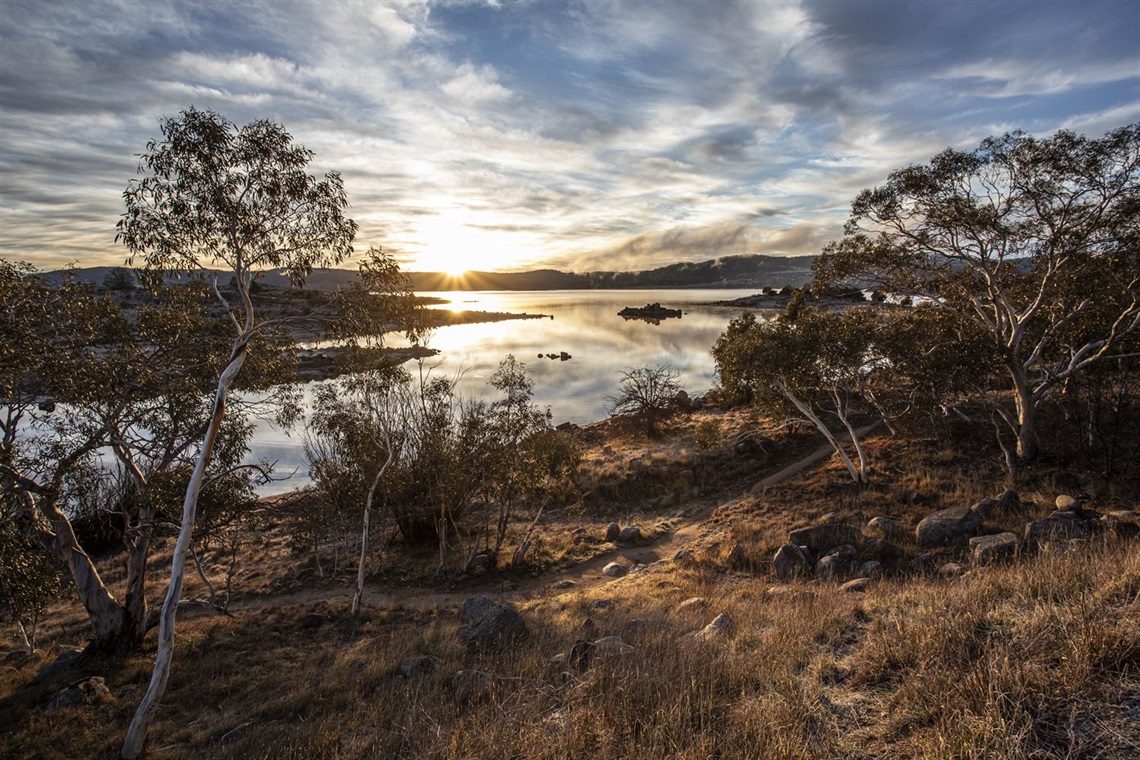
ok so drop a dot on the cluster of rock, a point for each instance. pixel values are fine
(630, 534)
(860, 549)
(652, 311)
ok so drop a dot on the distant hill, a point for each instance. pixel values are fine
(755, 271)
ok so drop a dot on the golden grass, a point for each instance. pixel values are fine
(1039, 659)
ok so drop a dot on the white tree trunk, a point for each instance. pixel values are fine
(819, 424)
(359, 593)
(137, 733)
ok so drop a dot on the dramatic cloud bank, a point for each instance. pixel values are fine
(581, 135)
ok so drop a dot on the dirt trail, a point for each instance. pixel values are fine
(583, 574)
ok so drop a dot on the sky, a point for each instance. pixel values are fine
(578, 135)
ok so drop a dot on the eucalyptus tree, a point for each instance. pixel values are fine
(1034, 242)
(806, 365)
(212, 194)
(101, 412)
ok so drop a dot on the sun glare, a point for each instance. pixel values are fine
(457, 247)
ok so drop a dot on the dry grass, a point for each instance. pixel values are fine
(1039, 659)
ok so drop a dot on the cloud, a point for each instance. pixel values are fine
(580, 134)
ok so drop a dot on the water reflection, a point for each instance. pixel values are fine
(585, 325)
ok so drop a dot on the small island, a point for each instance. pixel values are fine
(651, 312)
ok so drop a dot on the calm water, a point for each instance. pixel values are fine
(585, 325)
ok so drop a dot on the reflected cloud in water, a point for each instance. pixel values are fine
(586, 325)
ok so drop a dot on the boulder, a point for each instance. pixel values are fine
(311, 621)
(684, 558)
(1120, 527)
(693, 603)
(948, 527)
(856, 520)
(871, 569)
(792, 561)
(987, 550)
(881, 550)
(491, 625)
(630, 534)
(613, 530)
(472, 685)
(1067, 503)
(614, 570)
(855, 585)
(952, 569)
(609, 647)
(985, 509)
(719, 626)
(837, 564)
(819, 539)
(884, 527)
(580, 656)
(1062, 525)
(1009, 503)
(89, 691)
(737, 558)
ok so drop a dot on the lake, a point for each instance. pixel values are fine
(585, 325)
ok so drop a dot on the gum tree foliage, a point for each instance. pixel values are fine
(212, 194)
(79, 376)
(648, 394)
(1033, 242)
(450, 458)
(807, 364)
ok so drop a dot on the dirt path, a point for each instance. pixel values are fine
(583, 574)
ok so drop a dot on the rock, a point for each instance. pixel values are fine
(609, 647)
(881, 550)
(564, 584)
(856, 520)
(311, 622)
(1120, 527)
(884, 527)
(856, 585)
(1066, 503)
(613, 530)
(792, 561)
(719, 626)
(831, 518)
(871, 569)
(492, 625)
(1009, 503)
(472, 685)
(684, 558)
(985, 509)
(837, 564)
(948, 527)
(986, 550)
(952, 569)
(630, 534)
(737, 558)
(89, 691)
(614, 570)
(693, 603)
(820, 539)
(580, 656)
(602, 604)
(418, 666)
(1059, 526)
